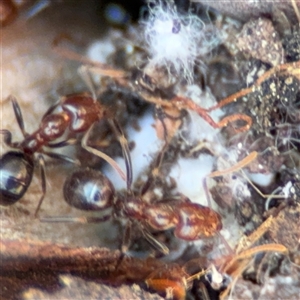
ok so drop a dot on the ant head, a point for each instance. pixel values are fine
(88, 189)
(16, 170)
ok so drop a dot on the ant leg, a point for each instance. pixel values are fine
(269, 196)
(182, 102)
(62, 157)
(147, 235)
(236, 117)
(81, 220)
(101, 154)
(125, 150)
(239, 165)
(51, 109)
(126, 238)
(207, 192)
(7, 137)
(18, 115)
(94, 66)
(41, 163)
(154, 242)
(155, 172)
(61, 144)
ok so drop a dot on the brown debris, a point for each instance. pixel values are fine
(260, 40)
(26, 263)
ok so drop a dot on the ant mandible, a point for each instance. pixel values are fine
(90, 190)
(78, 112)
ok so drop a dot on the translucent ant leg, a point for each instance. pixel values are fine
(80, 220)
(41, 163)
(126, 237)
(125, 150)
(204, 291)
(100, 154)
(147, 235)
(18, 115)
(154, 242)
(207, 192)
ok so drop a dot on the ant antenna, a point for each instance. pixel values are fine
(101, 154)
(125, 150)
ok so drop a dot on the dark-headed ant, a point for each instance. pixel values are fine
(77, 114)
(90, 190)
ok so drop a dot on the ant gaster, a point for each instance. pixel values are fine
(78, 112)
(90, 190)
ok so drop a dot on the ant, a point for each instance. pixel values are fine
(78, 112)
(221, 275)
(90, 190)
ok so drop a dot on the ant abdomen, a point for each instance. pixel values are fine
(196, 221)
(16, 171)
(88, 189)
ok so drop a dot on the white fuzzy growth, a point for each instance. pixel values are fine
(189, 174)
(175, 40)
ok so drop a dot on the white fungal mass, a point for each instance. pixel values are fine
(176, 40)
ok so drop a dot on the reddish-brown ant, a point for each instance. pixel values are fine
(77, 114)
(89, 189)
(174, 280)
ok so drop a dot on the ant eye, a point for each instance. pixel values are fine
(88, 190)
